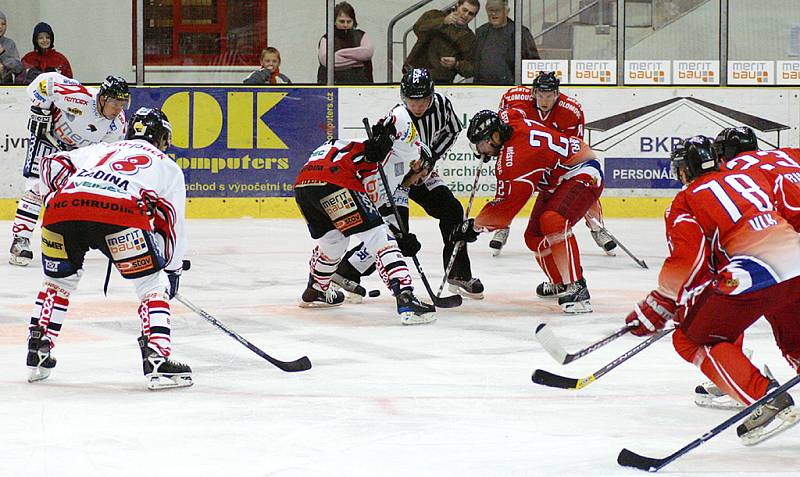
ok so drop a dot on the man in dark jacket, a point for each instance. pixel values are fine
(493, 55)
(444, 42)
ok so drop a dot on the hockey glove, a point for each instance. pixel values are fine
(174, 277)
(377, 147)
(39, 122)
(652, 313)
(465, 232)
(407, 242)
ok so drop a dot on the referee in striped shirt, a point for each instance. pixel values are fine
(438, 127)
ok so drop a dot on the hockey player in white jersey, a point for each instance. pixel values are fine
(127, 200)
(64, 115)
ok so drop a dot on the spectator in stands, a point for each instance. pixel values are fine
(9, 56)
(270, 72)
(44, 58)
(444, 42)
(493, 55)
(352, 61)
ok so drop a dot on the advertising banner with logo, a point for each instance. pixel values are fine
(751, 72)
(695, 72)
(15, 108)
(648, 72)
(787, 72)
(243, 142)
(531, 69)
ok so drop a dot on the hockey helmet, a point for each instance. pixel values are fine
(484, 124)
(116, 87)
(696, 156)
(731, 142)
(152, 125)
(416, 84)
(546, 81)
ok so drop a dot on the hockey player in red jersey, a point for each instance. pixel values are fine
(567, 175)
(732, 259)
(127, 200)
(544, 103)
(64, 115)
(340, 194)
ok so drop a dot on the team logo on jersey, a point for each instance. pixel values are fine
(53, 244)
(126, 244)
(75, 111)
(42, 87)
(338, 204)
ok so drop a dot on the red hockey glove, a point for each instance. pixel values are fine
(652, 313)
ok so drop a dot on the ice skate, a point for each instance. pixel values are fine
(769, 419)
(161, 372)
(472, 288)
(499, 241)
(355, 292)
(604, 241)
(21, 253)
(550, 290)
(314, 297)
(576, 298)
(39, 361)
(710, 396)
(412, 311)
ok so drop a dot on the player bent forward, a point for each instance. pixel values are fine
(127, 200)
(733, 258)
(331, 195)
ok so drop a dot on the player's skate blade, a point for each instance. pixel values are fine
(412, 311)
(708, 395)
(472, 288)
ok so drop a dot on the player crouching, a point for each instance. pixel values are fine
(332, 197)
(127, 200)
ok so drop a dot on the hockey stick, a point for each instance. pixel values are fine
(631, 459)
(458, 245)
(301, 364)
(444, 302)
(624, 248)
(546, 378)
(550, 343)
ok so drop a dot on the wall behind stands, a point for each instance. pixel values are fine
(241, 147)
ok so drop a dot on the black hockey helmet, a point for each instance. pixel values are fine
(731, 142)
(115, 87)
(416, 84)
(484, 124)
(546, 81)
(696, 156)
(152, 125)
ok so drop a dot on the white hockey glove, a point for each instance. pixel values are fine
(39, 122)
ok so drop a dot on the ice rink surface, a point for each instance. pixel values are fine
(451, 399)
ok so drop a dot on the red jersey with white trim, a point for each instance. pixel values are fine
(343, 163)
(76, 120)
(723, 229)
(565, 117)
(535, 158)
(127, 183)
(782, 166)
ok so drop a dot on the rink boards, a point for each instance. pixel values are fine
(241, 147)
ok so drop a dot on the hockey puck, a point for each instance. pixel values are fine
(374, 293)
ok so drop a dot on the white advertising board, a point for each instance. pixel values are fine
(648, 72)
(752, 73)
(691, 72)
(531, 69)
(14, 112)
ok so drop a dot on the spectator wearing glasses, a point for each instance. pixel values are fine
(445, 42)
(9, 56)
(493, 55)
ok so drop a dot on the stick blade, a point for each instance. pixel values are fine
(550, 343)
(301, 364)
(452, 301)
(546, 378)
(628, 458)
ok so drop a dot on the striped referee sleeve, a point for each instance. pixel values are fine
(439, 126)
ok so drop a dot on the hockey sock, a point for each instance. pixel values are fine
(155, 314)
(563, 246)
(28, 209)
(326, 256)
(595, 212)
(726, 365)
(390, 262)
(51, 306)
(544, 257)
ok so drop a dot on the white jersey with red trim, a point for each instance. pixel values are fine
(129, 183)
(76, 120)
(405, 149)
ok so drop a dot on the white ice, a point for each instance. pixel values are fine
(453, 398)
